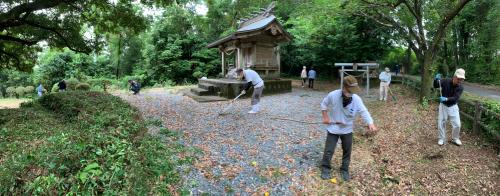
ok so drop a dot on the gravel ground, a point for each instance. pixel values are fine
(248, 154)
(244, 153)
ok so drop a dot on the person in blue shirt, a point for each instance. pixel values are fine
(39, 90)
(311, 75)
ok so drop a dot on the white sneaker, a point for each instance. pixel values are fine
(440, 142)
(252, 112)
(457, 142)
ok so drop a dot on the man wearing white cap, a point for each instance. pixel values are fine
(385, 80)
(451, 89)
(303, 76)
(343, 105)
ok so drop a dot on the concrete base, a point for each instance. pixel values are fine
(230, 88)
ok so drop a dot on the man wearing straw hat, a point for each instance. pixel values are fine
(343, 105)
(450, 91)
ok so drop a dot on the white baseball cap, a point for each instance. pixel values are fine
(460, 73)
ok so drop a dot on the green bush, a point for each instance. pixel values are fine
(83, 86)
(101, 84)
(71, 83)
(29, 90)
(487, 117)
(11, 91)
(20, 91)
(102, 148)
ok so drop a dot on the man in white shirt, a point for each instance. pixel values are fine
(253, 79)
(303, 75)
(343, 106)
(385, 80)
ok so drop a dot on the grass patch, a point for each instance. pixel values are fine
(84, 143)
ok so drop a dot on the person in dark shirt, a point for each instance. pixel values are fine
(62, 86)
(450, 92)
(134, 86)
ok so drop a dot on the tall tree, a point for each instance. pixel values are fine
(25, 24)
(422, 23)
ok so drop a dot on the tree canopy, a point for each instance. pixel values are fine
(164, 41)
(60, 23)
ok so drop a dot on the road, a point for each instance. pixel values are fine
(476, 89)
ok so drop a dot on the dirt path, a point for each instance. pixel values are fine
(242, 154)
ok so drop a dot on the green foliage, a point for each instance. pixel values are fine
(11, 91)
(20, 91)
(10, 77)
(55, 66)
(487, 116)
(84, 143)
(83, 86)
(324, 34)
(472, 43)
(101, 84)
(80, 26)
(29, 89)
(175, 50)
(71, 83)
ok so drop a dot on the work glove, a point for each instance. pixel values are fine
(443, 99)
(438, 77)
(243, 92)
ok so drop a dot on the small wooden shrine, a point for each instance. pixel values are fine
(255, 44)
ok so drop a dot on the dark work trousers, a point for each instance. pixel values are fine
(311, 83)
(304, 80)
(331, 143)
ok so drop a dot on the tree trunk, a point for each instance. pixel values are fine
(118, 53)
(408, 63)
(455, 48)
(425, 88)
(446, 67)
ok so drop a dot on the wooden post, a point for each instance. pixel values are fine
(279, 61)
(223, 74)
(342, 77)
(238, 58)
(477, 117)
(367, 80)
